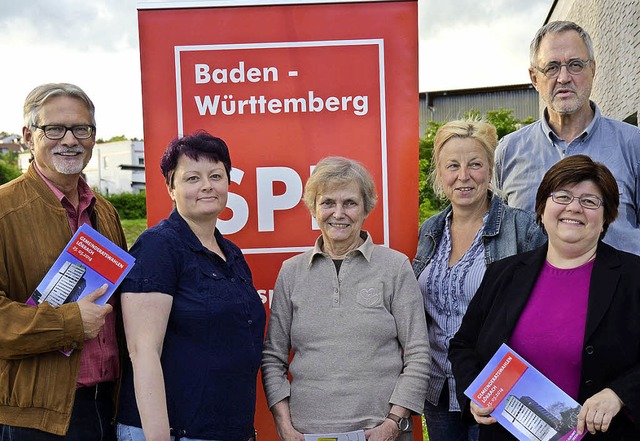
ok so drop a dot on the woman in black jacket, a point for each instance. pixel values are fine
(571, 308)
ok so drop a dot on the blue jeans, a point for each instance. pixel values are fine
(443, 425)
(132, 433)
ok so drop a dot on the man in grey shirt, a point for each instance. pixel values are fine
(562, 71)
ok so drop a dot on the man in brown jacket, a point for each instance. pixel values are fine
(44, 394)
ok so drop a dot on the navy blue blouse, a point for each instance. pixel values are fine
(213, 343)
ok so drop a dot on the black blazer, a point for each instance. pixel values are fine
(611, 349)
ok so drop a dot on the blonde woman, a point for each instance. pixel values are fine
(454, 248)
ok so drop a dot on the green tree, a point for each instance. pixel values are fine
(502, 119)
(112, 139)
(129, 205)
(8, 167)
(429, 202)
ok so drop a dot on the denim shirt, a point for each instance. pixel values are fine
(213, 343)
(508, 231)
(523, 157)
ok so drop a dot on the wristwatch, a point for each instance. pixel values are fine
(403, 423)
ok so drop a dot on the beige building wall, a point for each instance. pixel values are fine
(614, 26)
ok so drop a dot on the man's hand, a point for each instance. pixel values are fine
(93, 315)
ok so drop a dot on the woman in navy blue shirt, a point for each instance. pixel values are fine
(193, 320)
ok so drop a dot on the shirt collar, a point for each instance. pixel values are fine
(192, 241)
(548, 131)
(366, 249)
(86, 198)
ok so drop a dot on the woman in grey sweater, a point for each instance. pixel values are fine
(351, 312)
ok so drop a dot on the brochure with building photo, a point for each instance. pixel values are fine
(87, 262)
(525, 402)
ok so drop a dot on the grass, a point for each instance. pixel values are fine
(425, 436)
(132, 229)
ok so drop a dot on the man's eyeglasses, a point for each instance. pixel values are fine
(574, 67)
(55, 132)
(590, 201)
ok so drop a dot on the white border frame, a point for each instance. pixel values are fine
(178, 50)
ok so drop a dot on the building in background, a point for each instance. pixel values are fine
(614, 27)
(447, 105)
(116, 167)
(11, 144)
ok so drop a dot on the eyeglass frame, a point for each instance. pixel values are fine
(92, 130)
(543, 70)
(579, 198)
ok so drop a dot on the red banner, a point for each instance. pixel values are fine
(285, 86)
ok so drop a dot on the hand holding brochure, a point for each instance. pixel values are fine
(525, 402)
(87, 262)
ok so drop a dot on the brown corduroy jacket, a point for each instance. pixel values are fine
(37, 381)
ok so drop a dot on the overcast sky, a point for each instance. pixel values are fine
(463, 44)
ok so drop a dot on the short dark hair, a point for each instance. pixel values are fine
(194, 146)
(573, 170)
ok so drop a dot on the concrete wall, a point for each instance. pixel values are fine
(105, 171)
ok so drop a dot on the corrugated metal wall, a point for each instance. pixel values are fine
(449, 106)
